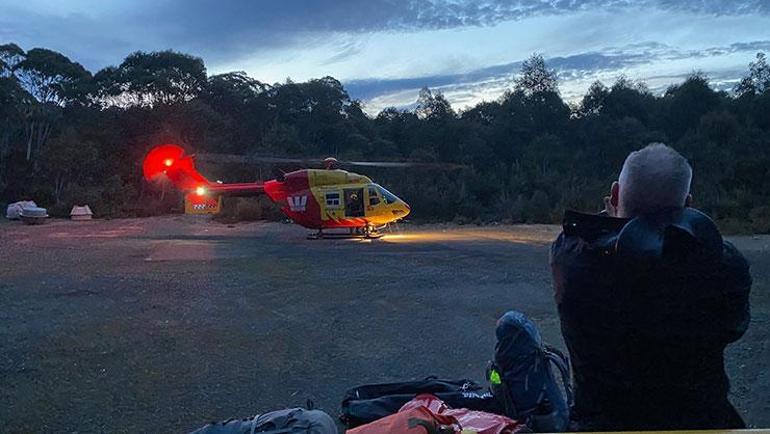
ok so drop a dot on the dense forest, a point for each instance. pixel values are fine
(69, 136)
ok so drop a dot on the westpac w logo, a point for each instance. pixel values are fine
(297, 203)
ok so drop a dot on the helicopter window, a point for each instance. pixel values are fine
(388, 196)
(374, 198)
(333, 199)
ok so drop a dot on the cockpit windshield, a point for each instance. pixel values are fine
(386, 195)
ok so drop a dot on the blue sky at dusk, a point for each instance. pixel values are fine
(385, 51)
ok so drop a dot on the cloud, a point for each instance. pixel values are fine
(224, 31)
(568, 66)
(382, 42)
(575, 73)
(83, 38)
(345, 51)
(202, 16)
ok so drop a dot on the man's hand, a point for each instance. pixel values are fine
(609, 209)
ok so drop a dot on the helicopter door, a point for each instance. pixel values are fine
(374, 199)
(354, 202)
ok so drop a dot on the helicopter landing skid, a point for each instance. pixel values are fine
(354, 233)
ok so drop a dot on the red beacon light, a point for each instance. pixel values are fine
(162, 160)
(170, 161)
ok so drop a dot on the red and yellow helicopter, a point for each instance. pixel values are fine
(320, 199)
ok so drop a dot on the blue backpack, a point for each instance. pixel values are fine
(522, 377)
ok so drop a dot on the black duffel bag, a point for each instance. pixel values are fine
(364, 404)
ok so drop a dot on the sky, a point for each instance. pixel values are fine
(384, 51)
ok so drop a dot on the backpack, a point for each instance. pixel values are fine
(364, 404)
(522, 378)
(292, 420)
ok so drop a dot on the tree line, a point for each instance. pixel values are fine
(69, 136)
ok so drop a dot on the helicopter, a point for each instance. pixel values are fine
(319, 199)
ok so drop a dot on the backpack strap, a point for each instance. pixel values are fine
(500, 391)
(561, 361)
(254, 424)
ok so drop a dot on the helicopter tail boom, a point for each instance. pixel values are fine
(241, 189)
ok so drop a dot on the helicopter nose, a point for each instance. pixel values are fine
(401, 209)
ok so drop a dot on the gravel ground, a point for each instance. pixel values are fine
(162, 324)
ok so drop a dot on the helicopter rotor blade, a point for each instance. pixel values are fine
(426, 165)
(252, 159)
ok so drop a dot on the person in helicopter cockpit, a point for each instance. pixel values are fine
(649, 295)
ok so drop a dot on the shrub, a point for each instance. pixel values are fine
(539, 208)
(733, 226)
(760, 219)
(247, 209)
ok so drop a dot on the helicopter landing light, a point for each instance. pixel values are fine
(200, 191)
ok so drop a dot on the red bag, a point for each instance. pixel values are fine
(469, 420)
(426, 414)
(417, 420)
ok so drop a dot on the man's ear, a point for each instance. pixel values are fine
(615, 193)
(688, 201)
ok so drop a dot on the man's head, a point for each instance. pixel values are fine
(653, 178)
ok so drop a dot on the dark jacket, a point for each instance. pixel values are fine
(647, 307)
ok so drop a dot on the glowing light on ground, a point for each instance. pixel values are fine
(519, 235)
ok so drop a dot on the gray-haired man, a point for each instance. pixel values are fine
(649, 295)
